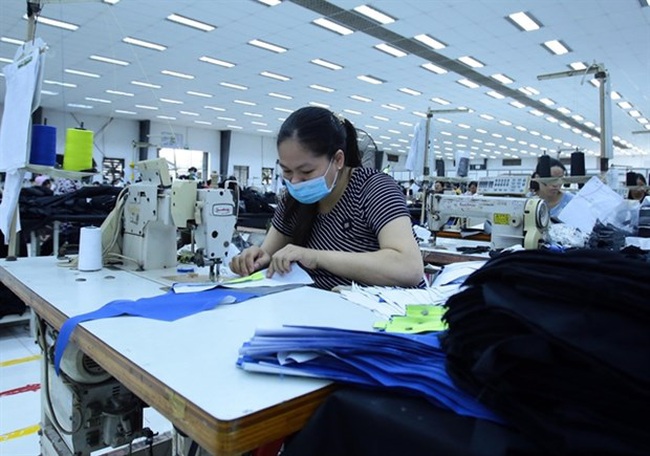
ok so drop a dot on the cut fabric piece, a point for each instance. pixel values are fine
(413, 364)
(167, 307)
(558, 344)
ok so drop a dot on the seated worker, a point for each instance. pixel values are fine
(338, 220)
(638, 193)
(550, 191)
(438, 188)
(471, 188)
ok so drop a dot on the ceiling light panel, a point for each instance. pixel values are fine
(82, 73)
(267, 46)
(276, 76)
(524, 21)
(556, 47)
(217, 62)
(326, 64)
(183, 20)
(430, 41)
(146, 84)
(55, 23)
(370, 79)
(390, 50)
(471, 62)
(374, 14)
(144, 44)
(99, 58)
(333, 26)
(434, 68)
(177, 74)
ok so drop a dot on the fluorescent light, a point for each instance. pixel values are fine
(486, 117)
(176, 74)
(529, 90)
(189, 113)
(374, 14)
(352, 111)
(524, 21)
(441, 101)
(382, 118)
(547, 101)
(6, 39)
(81, 73)
(556, 47)
(279, 77)
(471, 61)
(122, 111)
(261, 124)
(253, 114)
(578, 66)
(171, 101)
(112, 2)
(98, 100)
(58, 83)
(49, 92)
(565, 111)
(151, 108)
(202, 122)
(227, 119)
(146, 84)
(166, 117)
(319, 104)
(190, 22)
(360, 98)
(144, 44)
(408, 91)
(615, 95)
(268, 46)
(244, 102)
(429, 41)
(390, 50)
(270, 2)
(634, 113)
(507, 123)
(78, 105)
(198, 94)
(326, 64)
(332, 26)
(119, 92)
(370, 79)
(235, 127)
(280, 95)
(100, 58)
(594, 82)
(283, 110)
(54, 23)
(536, 112)
(468, 83)
(214, 61)
(495, 94)
(215, 108)
(321, 88)
(502, 78)
(577, 117)
(434, 68)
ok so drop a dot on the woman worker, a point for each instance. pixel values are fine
(550, 191)
(340, 221)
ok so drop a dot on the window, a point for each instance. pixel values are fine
(181, 160)
(511, 162)
(112, 169)
(267, 176)
(241, 174)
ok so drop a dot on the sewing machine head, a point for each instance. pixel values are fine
(522, 221)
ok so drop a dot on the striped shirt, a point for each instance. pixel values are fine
(370, 201)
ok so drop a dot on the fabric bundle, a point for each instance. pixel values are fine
(412, 364)
(559, 345)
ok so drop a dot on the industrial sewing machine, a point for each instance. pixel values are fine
(521, 221)
(155, 207)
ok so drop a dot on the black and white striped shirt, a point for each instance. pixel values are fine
(371, 200)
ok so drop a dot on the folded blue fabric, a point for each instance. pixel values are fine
(167, 307)
(412, 363)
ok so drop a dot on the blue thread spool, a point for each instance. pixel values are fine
(43, 150)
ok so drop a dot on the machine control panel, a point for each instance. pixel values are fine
(504, 185)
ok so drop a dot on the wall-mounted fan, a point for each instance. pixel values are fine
(368, 149)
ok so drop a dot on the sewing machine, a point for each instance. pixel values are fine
(521, 221)
(155, 207)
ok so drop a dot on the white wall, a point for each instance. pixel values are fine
(256, 152)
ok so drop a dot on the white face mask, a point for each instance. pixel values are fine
(313, 190)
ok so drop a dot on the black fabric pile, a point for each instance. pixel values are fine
(559, 345)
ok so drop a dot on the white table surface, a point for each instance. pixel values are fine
(195, 357)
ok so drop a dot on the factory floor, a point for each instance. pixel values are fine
(20, 395)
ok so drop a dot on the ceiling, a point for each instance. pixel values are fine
(614, 33)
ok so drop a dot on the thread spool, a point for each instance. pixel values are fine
(90, 249)
(544, 166)
(440, 167)
(577, 164)
(78, 154)
(43, 149)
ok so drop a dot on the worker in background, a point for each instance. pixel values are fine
(471, 188)
(338, 220)
(551, 192)
(438, 188)
(639, 192)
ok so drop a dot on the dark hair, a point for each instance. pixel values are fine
(473, 183)
(641, 177)
(551, 163)
(321, 132)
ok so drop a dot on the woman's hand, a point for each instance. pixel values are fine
(250, 260)
(282, 259)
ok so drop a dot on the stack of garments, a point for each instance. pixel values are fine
(559, 345)
(412, 364)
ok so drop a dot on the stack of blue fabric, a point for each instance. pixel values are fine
(411, 363)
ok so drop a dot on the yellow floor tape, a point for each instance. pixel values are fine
(27, 359)
(20, 433)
